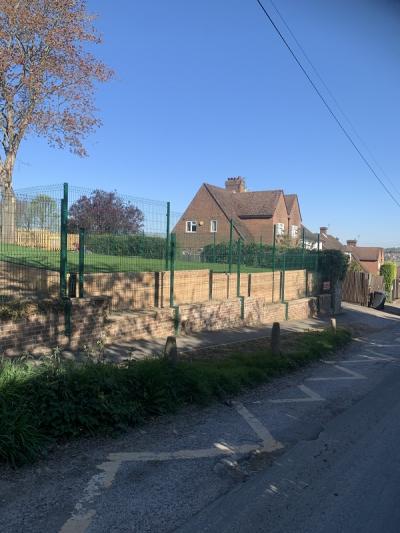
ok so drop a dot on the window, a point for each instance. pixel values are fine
(294, 231)
(280, 229)
(191, 226)
(213, 226)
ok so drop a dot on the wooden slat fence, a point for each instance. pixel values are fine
(356, 288)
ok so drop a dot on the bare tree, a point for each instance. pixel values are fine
(47, 77)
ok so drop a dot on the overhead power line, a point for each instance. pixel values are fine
(333, 98)
(326, 104)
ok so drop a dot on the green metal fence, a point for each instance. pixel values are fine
(70, 242)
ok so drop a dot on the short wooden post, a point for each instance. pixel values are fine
(333, 325)
(276, 339)
(171, 350)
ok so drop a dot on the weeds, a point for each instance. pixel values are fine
(57, 400)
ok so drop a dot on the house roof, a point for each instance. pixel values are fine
(225, 201)
(256, 204)
(309, 235)
(365, 253)
(329, 242)
(290, 200)
(246, 204)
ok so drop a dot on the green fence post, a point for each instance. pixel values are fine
(64, 243)
(283, 277)
(230, 247)
(168, 239)
(172, 270)
(273, 264)
(318, 246)
(239, 253)
(81, 262)
(214, 249)
(304, 247)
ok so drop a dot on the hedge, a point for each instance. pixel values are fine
(261, 255)
(127, 245)
(389, 273)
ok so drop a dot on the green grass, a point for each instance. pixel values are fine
(40, 258)
(54, 401)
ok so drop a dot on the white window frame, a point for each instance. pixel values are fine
(214, 226)
(294, 231)
(280, 229)
(191, 226)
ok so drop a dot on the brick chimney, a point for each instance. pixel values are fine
(352, 243)
(235, 184)
(323, 229)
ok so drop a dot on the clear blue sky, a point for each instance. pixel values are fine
(206, 90)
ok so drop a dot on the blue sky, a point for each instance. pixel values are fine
(206, 90)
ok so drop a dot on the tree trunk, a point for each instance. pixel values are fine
(8, 201)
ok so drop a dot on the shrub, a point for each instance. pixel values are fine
(333, 265)
(260, 256)
(127, 245)
(389, 273)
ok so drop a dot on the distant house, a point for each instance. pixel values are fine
(254, 215)
(370, 258)
(326, 241)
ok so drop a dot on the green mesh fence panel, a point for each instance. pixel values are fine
(127, 252)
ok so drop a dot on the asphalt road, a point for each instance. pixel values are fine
(316, 451)
(347, 480)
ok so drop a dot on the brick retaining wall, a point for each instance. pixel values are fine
(41, 332)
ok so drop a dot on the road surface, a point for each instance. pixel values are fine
(316, 451)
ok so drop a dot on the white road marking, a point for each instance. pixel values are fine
(351, 374)
(268, 442)
(201, 453)
(311, 396)
(83, 514)
(82, 517)
(370, 359)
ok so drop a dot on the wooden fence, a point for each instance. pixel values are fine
(44, 239)
(396, 289)
(358, 286)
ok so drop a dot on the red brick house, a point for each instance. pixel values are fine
(254, 215)
(371, 258)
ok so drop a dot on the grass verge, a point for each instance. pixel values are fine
(54, 401)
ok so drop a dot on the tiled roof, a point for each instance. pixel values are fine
(290, 200)
(365, 253)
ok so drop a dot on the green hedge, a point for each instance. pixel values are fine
(333, 265)
(127, 245)
(389, 273)
(261, 256)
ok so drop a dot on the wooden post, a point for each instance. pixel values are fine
(276, 339)
(171, 350)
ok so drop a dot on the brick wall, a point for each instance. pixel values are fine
(28, 282)
(295, 284)
(42, 332)
(209, 316)
(144, 290)
(127, 290)
(303, 308)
